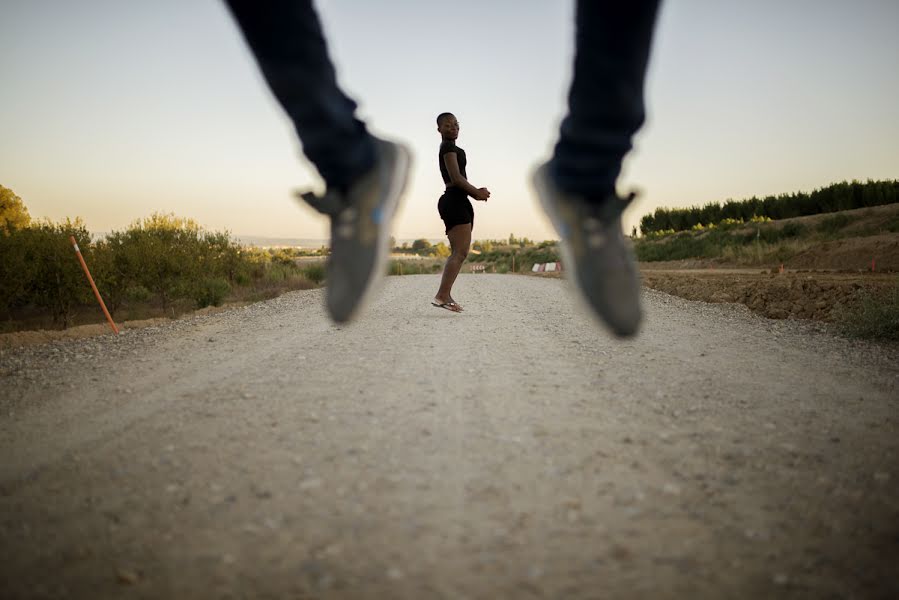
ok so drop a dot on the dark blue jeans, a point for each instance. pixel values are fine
(286, 38)
(605, 103)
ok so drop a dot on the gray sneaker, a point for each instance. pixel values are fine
(360, 229)
(594, 252)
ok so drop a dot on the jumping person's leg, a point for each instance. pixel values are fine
(605, 102)
(460, 240)
(577, 186)
(365, 176)
(287, 40)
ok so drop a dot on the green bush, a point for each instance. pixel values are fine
(278, 271)
(138, 293)
(15, 276)
(680, 247)
(283, 256)
(395, 268)
(211, 291)
(412, 267)
(832, 224)
(792, 229)
(166, 254)
(54, 279)
(162, 253)
(314, 272)
(39, 268)
(875, 316)
(162, 257)
(768, 235)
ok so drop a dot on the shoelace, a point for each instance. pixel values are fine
(332, 204)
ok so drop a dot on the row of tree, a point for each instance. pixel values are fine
(162, 257)
(424, 247)
(833, 198)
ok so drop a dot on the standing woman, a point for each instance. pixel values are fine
(454, 207)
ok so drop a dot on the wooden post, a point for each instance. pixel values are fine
(93, 285)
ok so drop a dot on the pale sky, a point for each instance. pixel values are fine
(113, 109)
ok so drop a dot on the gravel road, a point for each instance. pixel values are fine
(512, 451)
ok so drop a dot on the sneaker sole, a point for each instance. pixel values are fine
(543, 194)
(396, 188)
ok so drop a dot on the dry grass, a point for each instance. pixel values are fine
(874, 316)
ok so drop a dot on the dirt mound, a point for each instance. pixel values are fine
(821, 275)
(799, 295)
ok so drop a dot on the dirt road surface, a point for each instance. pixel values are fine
(512, 451)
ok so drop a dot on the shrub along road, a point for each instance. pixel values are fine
(512, 451)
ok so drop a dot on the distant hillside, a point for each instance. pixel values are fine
(833, 198)
(845, 240)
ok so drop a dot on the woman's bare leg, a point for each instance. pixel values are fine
(460, 240)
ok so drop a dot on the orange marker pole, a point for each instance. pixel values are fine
(93, 285)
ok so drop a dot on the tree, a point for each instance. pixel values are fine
(108, 272)
(15, 270)
(13, 214)
(420, 244)
(57, 282)
(163, 254)
(441, 250)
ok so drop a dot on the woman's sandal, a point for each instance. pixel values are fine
(451, 306)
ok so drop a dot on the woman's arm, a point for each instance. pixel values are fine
(456, 178)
